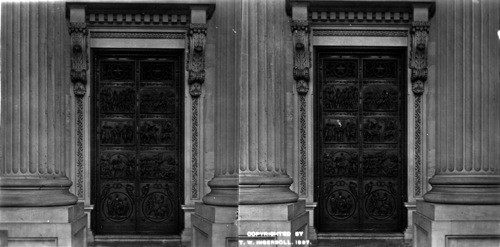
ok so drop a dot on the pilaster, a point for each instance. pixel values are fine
(224, 184)
(36, 207)
(35, 106)
(467, 138)
(263, 87)
(253, 86)
(458, 210)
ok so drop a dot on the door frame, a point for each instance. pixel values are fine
(378, 24)
(166, 25)
(350, 50)
(94, 53)
(359, 37)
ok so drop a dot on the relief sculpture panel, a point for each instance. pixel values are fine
(341, 130)
(158, 100)
(341, 163)
(157, 71)
(380, 98)
(157, 132)
(381, 130)
(117, 100)
(341, 69)
(157, 165)
(117, 165)
(117, 132)
(117, 71)
(380, 68)
(340, 98)
(384, 163)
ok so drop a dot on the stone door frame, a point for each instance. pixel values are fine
(360, 52)
(403, 25)
(96, 25)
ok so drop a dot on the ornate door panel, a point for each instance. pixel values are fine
(137, 149)
(358, 133)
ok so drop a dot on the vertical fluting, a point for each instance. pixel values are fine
(264, 77)
(35, 93)
(262, 175)
(226, 156)
(224, 185)
(467, 103)
(252, 81)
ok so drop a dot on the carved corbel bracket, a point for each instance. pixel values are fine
(418, 65)
(196, 59)
(301, 55)
(78, 33)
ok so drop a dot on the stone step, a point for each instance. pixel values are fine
(136, 241)
(362, 243)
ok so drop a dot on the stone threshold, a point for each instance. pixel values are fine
(136, 241)
(360, 236)
(137, 237)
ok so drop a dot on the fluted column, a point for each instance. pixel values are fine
(252, 82)
(35, 120)
(266, 44)
(467, 103)
(224, 185)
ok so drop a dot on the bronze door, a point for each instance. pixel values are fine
(358, 134)
(137, 152)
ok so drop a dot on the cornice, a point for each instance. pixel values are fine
(362, 5)
(150, 7)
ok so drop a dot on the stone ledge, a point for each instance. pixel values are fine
(360, 235)
(216, 214)
(272, 211)
(59, 214)
(67, 230)
(213, 225)
(446, 212)
(456, 225)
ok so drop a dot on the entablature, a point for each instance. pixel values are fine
(360, 12)
(171, 14)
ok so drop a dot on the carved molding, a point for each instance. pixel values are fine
(136, 35)
(78, 33)
(301, 55)
(195, 194)
(418, 145)
(196, 68)
(373, 33)
(301, 65)
(196, 58)
(302, 146)
(418, 66)
(78, 74)
(79, 148)
(358, 16)
(138, 19)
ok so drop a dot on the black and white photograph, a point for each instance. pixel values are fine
(252, 123)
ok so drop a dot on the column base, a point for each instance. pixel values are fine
(214, 226)
(45, 226)
(290, 221)
(36, 192)
(410, 210)
(223, 192)
(310, 207)
(256, 189)
(456, 225)
(459, 189)
(187, 233)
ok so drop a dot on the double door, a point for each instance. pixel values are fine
(359, 132)
(137, 143)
